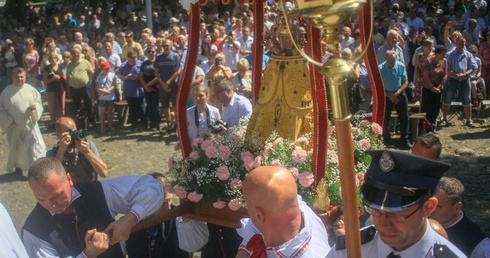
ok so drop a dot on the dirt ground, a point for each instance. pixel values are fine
(127, 152)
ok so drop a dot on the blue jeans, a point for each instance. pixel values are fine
(402, 111)
(463, 87)
(153, 108)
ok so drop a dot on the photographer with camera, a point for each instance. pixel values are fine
(79, 156)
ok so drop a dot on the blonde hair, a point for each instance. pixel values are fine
(242, 64)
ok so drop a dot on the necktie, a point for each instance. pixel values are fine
(392, 255)
(256, 246)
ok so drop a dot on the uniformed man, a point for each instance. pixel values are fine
(398, 192)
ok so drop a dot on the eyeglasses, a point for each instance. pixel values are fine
(84, 51)
(150, 52)
(166, 45)
(390, 216)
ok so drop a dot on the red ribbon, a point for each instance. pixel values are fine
(256, 247)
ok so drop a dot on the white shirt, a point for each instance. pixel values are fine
(140, 195)
(424, 248)
(231, 54)
(10, 244)
(238, 107)
(203, 122)
(311, 242)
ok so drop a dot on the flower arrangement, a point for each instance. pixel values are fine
(218, 164)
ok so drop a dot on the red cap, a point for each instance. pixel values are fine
(105, 65)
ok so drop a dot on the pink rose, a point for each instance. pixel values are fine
(247, 154)
(302, 140)
(223, 173)
(329, 144)
(299, 156)
(365, 144)
(194, 155)
(171, 162)
(306, 179)
(267, 148)
(224, 152)
(257, 161)
(211, 152)
(195, 197)
(330, 129)
(234, 205)
(364, 123)
(376, 128)
(197, 141)
(295, 172)
(180, 192)
(236, 184)
(219, 204)
(277, 141)
(205, 144)
(248, 163)
(276, 163)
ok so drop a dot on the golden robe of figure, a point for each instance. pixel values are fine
(284, 101)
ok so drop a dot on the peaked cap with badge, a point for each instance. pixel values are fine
(397, 180)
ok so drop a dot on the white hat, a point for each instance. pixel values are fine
(173, 19)
(213, 47)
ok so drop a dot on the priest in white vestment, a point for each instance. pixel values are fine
(20, 110)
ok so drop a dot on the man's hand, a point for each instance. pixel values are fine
(64, 141)
(121, 229)
(96, 243)
(166, 87)
(82, 146)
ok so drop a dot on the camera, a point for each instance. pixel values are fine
(217, 127)
(76, 135)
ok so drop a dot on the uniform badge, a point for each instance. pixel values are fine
(386, 162)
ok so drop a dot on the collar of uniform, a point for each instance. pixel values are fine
(420, 248)
(296, 246)
(461, 214)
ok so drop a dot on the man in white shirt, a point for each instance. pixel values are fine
(78, 221)
(230, 48)
(246, 42)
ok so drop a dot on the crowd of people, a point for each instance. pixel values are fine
(431, 52)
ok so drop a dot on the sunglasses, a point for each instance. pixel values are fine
(150, 52)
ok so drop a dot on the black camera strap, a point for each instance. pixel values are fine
(196, 116)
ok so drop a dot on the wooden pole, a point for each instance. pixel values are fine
(349, 189)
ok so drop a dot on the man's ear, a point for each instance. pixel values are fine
(259, 215)
(430, 205)
(458, 207)
(68, 178)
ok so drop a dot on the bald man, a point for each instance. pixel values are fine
(80, 158)
(280, 224)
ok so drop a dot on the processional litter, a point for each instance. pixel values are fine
(290, 97)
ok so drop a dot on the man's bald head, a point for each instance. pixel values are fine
(270, 185)
(64, 124)
(270, 193)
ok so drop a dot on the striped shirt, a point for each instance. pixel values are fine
(460, 63)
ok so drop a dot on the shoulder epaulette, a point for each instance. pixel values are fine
(442, 251)
(367, 235)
